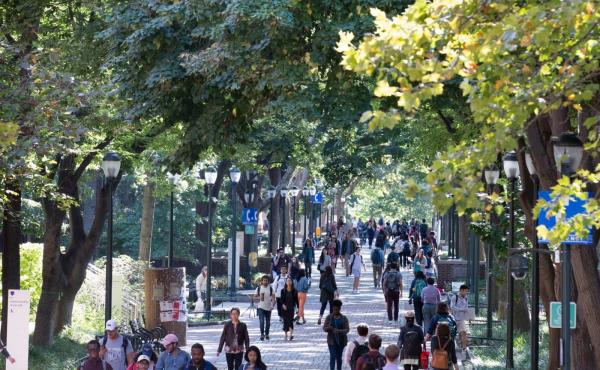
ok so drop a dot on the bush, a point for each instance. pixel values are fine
(31, 274)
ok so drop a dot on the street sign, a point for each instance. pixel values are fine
(249, 216)
(556, 315)
(17, 319)
(249, 229)
(317, 198)
(574, 207)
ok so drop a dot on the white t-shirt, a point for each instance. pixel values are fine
(265, 297)
(278, 284)
(115, 355)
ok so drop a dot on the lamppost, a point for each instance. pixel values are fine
(111, 164)
(173, 180)
(491, 177)
(283, 192)
(511, 169)
(313, 192)
(329, 212)
(333, 192)
(234, 176)
(210, 177)
(568, 152)
(294, 193)
(271, 193)
(305, 194)
(318, 184)
(343, 206)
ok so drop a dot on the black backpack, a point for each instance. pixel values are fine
(124, 345)
(406, 247)
(359, 350)
(377, 363)
(411, 344)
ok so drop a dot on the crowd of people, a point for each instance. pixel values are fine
(396, 248)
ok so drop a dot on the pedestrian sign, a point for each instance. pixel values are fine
(574, 207)
(249, 216)
(556, 315)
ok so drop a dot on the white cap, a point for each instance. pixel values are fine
(111, 325)
(142, 358)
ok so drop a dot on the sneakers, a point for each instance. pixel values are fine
(319, 322)
(262, 337)
(267, 337)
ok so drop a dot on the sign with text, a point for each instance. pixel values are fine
(575, 207)
(317, 198)
(556, 315)
(249, 216)
(17, 340)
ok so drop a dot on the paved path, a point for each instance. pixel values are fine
(308, 350)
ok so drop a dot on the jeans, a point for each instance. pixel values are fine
(392, 299)
(264, 319)
(429, 311)
(335, 355)
(324, 304)
(234, 360)
(404, 258)
(377, 275)
(418, 304)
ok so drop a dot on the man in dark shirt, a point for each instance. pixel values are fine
(278, 261)
(94, 362)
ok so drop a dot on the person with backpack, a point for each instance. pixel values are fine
(411, 341)
(302, 286)
(148, 352)
(253, 360)
(380, 238)
(377, 260)
(431, 297)
(266, 302)
(328, 291)
(278, 285)
(337, 328)
(443, 316)
(115, 349)
(416, 288)
(423, 228)
(356, 262)
(373, 357)
(405, 251)
(308, 256)
(173, 358)
(392, 286)
(460, 310)
(430, 265)
(353, 352)
(371, 232)
(443, 349)
(393, 256)
(93, 361)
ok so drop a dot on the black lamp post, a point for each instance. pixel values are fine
(305, 194)
(343, 208)
(491, 177)
(318, 184)
(568, 153)
(111, 164)
(234, 176)
(173, 181)
(283, 192)
(271, 193)
(313, 192)
(210, 177)
(294, 193)
(511, 169)
(329, 215)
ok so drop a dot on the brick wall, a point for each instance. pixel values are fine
(454, 271)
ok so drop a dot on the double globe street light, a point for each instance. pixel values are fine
(234, 176)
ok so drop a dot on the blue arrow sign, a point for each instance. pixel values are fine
(317, 198)
(574, 207)
(249, 216)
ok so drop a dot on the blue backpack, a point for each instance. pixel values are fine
(377, 256)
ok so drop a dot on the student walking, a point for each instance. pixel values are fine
(430, 296)
(392, 286)
(198, 362)
(443, 316)
(337, 328)
(356, 261)
(201, 289)
(328, 291)
(460, 311)
(234, 339)
(411, 340)
(416, 288)
(173, 358)
(302, 287)
(324, 260)
(278, 285)
(253, 360)
(391, 353)
(308, 256)
(420, 262)
(266, 302)
(289, 302)
(443, 343)
(373, 357)
(377, 260)
(362, 330)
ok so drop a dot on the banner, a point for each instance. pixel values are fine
(17, 339)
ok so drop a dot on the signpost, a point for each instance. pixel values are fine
(317, 198)
(17, 342)
(556, 315)
(249, 216)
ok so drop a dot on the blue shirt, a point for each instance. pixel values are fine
(166, 361)
(207, 366)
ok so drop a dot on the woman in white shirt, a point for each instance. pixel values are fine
(201, 289)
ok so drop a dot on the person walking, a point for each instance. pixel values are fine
(278, 261)
(147, 351)
(302, 287)
(391, 353)
(324, 260)
(234, 339)
(411, 340)
(416, 288)
(115, 349)
(289, 302)
(173, 358)
(328, 291)
(392, 285)
(346, 251)
(278, 285)
(337, 328)
(253, 360)
(266, 302)
(443, 342)
(295, 268)
(93, 361)
(377, 260)
(201, 289)
(460, 311)
(442, 316)
(373, 357)
(308, 256)
(430, 296)
(371, 232)
(198, 362)
(142, 363)
(362, 331)
(420, 262)
(356, 261)
(393, 256)
(405, 251)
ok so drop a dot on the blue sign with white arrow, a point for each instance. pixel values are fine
(574, 207)
(317, 198)
(249, 216)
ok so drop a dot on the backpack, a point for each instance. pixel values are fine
(124, 345)
(376, 257)
(357, 352)
(376, 363)
(411, 344)
(406, 247)
(391, 281)
(451, 324)
(353, 260)
(393, 257)
(271, 290)
(419, 286)
(380, 241)
(83, 363)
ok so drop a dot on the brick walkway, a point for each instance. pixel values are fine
(308, 350)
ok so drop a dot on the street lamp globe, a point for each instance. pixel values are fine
(343, 199)
(491, 175)
(235, 174)
(511, 165)
(294, 191)
(284, 192)
(173, 178)
(568, 149)
(313, 190)
(306, 191)
(111, 164)
(210, 175)
(271, 192)
(330, 206)
(519, 266)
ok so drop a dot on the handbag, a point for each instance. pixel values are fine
(439, 360)
(424, 360)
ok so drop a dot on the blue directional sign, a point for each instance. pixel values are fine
(249, 216)
(575, 207)
(317, 198)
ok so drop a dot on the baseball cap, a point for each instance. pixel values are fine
(170, 338)
(409, 314)
(111, 325)
(147, 349)
(143, 358)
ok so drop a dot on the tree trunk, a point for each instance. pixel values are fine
(147, 222)
(11, 259)
(522, 315)
(463, 237)
(274, 174)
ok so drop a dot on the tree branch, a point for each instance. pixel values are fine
(447, 121)
(90, 156)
